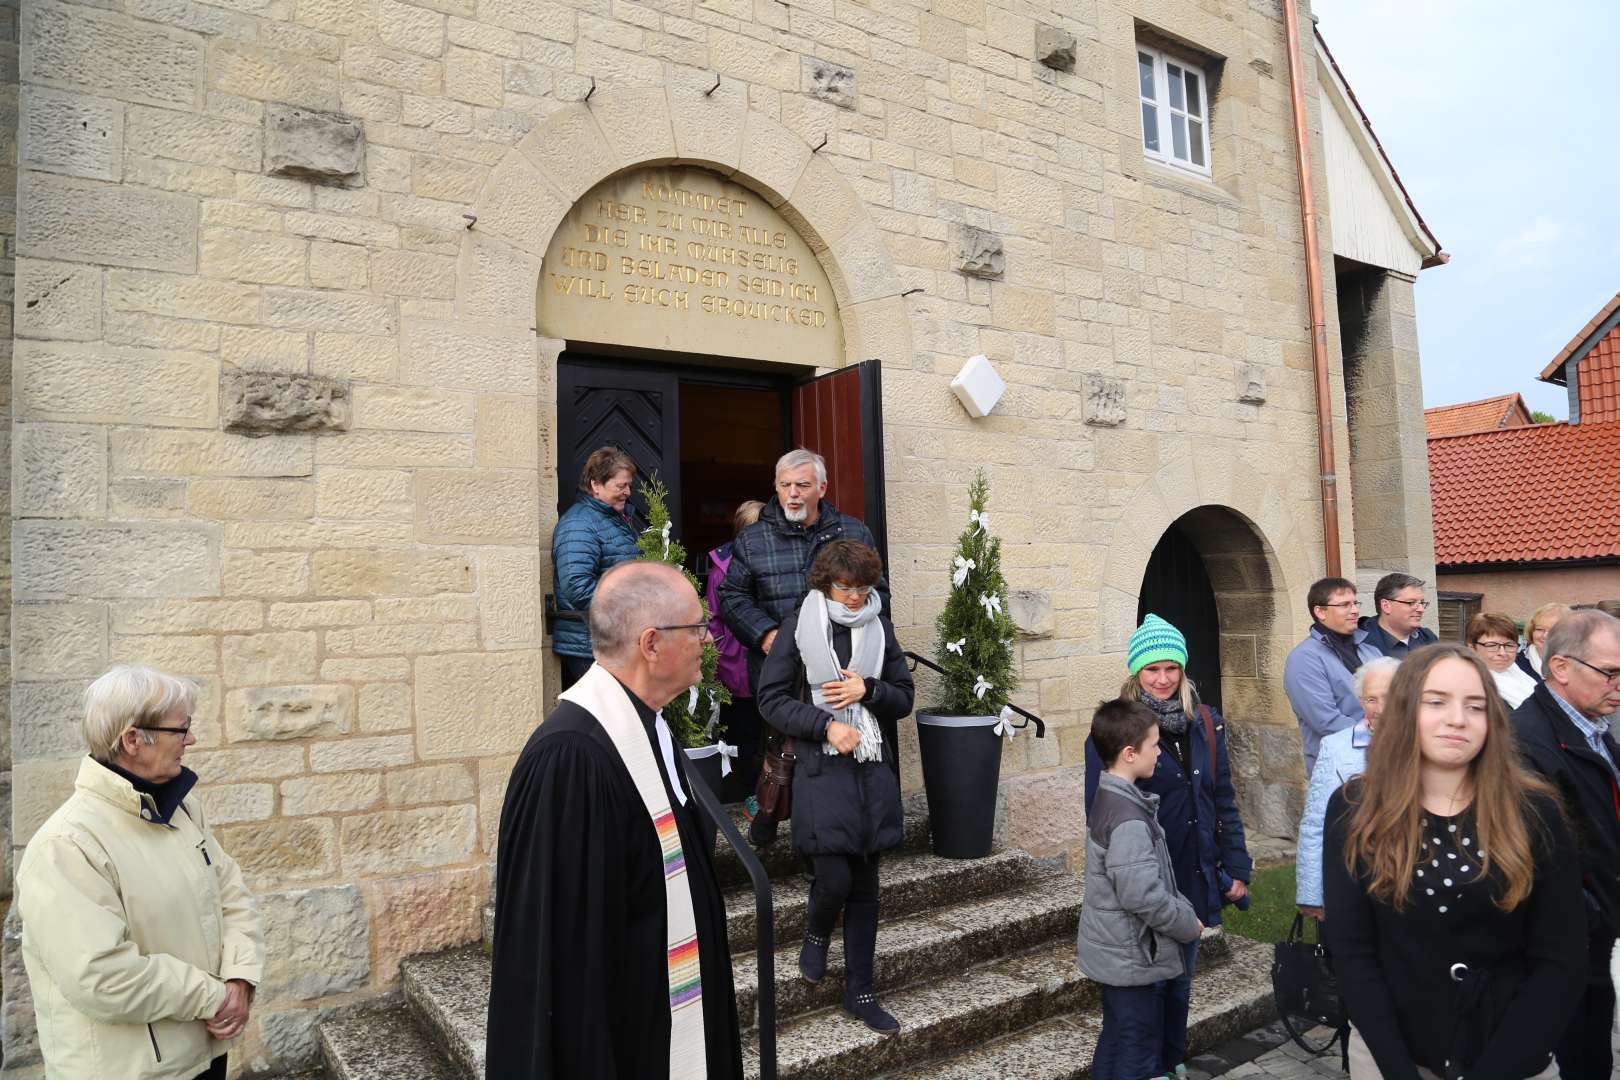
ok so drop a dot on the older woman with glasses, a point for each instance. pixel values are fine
(1494, 637)
(141, 941)
(836, 682)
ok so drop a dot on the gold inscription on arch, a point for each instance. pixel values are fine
(680, 259)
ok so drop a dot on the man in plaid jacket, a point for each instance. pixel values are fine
(770, 560)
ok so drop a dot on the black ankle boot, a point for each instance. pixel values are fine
(762, 830)
(813, 958)
(860, 945)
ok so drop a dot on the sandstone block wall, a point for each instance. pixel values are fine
(361, 604)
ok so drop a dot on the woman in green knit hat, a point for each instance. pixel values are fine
(1197, 804)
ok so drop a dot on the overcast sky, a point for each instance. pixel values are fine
(1501, 119)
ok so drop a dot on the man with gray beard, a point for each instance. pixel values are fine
(770, 559)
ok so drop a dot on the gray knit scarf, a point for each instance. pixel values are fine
(1171, 716)
(814, 639)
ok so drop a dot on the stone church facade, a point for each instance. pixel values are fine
(293, 280)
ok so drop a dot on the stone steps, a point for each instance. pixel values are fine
(1231, 995)
(381, 1045)
(930, 944)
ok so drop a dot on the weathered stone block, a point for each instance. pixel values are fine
(110, 52)
(57, 641)
(356, 356)
(317, 942)
(311, 309)
(245, 255)
(1105, 401)
(1251, 384)
(55, 558)
(288, 712)
(476, 703)
(19, 1038)
(186, 617)
(313, 145)
(383, 572)
(448, 356)
(193, 137)
(228, 804)
(506, 430)
(339, 266)
(829, 82)
(1044, 811)
(72, 381)
(448, 783)
(257, 763)
(279, 851)
(59, 470)
(258, 403)
(171, 298)
(1054, 47)
(509, 596)
(241, 499)
(70, 133)
(385, 707)
(319, 613)
(118, 225)
(979, 252)
(410, 408)
(37, 789)
(285, 657)
(396, 840)
(249, 70)
(426, 913)
(1031, 611)
(61, 301)
(47, 720)
(265, 573)
(373, 753)
(476, 507)
(153, 452)
(340, 794)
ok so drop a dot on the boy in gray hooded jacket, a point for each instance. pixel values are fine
(1133, 923)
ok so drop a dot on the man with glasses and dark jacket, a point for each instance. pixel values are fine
(1563, 732)
(1396, 630)
(1319, 676)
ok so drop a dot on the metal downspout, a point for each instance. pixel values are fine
(1313, 286)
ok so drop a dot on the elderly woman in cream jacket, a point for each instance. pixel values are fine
(141, 941)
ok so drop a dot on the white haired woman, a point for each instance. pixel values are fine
(141, 941)
(1343, 755)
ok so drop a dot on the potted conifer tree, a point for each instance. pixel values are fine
(693, 717)
(960, 738)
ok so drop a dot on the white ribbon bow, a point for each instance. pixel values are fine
(666, 555)
(714, 713)
(955, 646)
(961, 572)
(981, 685)
(691, 701)
(981, 518)
(1004, 725)
(726, 754)
(992, 604)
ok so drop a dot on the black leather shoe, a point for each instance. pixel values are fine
(865, 1008)
(813, 959)
(762, 830)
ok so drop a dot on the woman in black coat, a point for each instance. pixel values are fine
(835, 680)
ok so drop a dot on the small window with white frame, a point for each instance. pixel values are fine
(1175, 110)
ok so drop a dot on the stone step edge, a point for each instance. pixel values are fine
(1046, 907)
(778, 856)
(1230, 997)
(402, 1050)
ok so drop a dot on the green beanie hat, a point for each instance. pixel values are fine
(1154, 641)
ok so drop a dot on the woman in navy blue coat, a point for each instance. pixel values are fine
(594, 534)
(1197, 803)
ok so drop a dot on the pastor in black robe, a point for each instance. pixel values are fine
(581, 976)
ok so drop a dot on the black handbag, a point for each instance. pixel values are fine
(1306, 989)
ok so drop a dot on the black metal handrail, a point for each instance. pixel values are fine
(1029, 717)
(554, 614)
(764, 921)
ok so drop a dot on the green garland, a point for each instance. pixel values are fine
(691, 727)
(975, 629)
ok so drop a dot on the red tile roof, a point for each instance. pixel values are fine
(1552, 373)
(1599, 378)
(1505, 410)
(1527, 494)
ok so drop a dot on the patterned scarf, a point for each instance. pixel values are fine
(814, 639)
(599, 693)
(1171, 716)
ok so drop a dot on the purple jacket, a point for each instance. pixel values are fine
(733, 669)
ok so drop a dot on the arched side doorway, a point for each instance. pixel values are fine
(1213, 576)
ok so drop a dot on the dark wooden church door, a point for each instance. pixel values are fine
(635, 409)
(1176, 588)
(840, 417)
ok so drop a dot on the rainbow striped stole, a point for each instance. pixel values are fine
(599, 693)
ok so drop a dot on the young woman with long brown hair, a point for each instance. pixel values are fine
(1454, 906)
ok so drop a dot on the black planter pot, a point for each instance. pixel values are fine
(961, 762)
(708, 768)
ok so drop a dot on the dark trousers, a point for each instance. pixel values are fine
(742, 728)
(573, 668)
(1132, 1032)
(1584, 1052)
(216, 1070)
(1177, 1004)
(847, 883)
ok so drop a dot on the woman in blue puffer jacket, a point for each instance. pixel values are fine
(595, 533)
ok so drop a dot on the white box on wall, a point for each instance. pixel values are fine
(978, 387)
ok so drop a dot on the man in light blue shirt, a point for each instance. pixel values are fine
(1319, 676)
